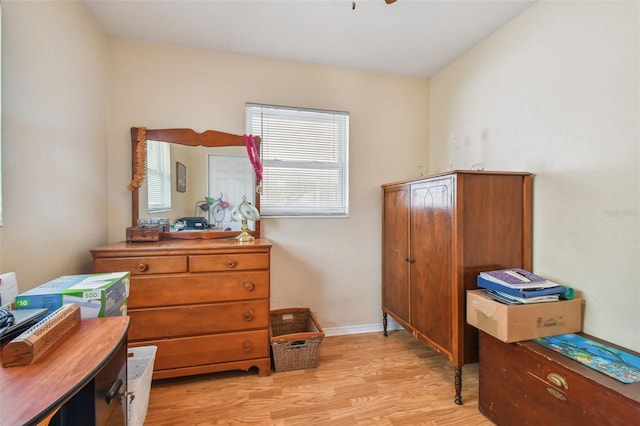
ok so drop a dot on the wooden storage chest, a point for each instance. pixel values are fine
(525, 383)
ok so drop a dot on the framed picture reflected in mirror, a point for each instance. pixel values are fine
(181, 177)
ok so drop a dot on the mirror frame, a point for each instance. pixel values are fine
(208, 138)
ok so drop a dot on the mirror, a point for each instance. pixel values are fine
(202, 157)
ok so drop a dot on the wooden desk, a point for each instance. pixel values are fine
(32, 393)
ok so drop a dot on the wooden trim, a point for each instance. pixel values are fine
(527, 223)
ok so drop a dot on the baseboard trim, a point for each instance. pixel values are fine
(361, 329)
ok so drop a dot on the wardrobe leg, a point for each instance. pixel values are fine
(384, 323)
(458, 383)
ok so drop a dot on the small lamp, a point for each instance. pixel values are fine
(243, 213)
(203, 205)
(215, 207)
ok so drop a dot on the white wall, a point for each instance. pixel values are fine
(329, 265)
(54, 91)
(556, 92)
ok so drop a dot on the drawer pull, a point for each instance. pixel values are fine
(247, 347)
(249, 286)
(142, 267)
(113, 391)
(231, 263)
(556, 393)
(248, 316)
(558, 380)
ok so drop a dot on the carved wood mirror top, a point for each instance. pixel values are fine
(188, 137)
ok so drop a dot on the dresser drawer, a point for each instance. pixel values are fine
(190, 320)
(142, 265)
(182, 289)
(201, 350)
(228, 262)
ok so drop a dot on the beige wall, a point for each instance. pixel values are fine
(54, 117)
(329, 265)
(556, 92)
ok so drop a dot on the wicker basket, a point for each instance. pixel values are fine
(295, 339)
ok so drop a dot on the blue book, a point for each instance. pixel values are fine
(524, 293)
(517, 278)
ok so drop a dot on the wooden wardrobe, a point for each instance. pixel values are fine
(438, 233)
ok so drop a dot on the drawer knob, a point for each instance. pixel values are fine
(230, 263)
(248, 285)
(558, 380)
(142, 267)
(248, 316)
(246, 346)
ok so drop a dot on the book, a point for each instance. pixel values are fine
(513, 300)
(524, 293)
(517, 278)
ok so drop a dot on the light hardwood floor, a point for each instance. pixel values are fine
(364, 379)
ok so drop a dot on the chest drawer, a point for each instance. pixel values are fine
(189, 320)
(142, 265)
(526, 384)
(182, 289)
(201, 350)
(228, 262)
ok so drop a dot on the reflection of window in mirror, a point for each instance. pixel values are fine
(305, 155)
(158, 176)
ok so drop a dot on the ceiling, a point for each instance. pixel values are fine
(408, 37)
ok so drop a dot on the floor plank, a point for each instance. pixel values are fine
(364, 379)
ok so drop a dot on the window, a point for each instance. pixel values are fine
(305, 156)
(158, 176)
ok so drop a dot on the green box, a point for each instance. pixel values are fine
(98, 295)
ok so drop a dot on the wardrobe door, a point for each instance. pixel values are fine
(432, 255)
(395, 254)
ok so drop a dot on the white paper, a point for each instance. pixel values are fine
(8, 289)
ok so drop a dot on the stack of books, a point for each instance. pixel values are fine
(517, 286)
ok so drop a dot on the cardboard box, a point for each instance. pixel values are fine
(513, 323)
(98, 295)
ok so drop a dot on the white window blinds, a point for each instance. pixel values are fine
(305, 155)
(158, 176)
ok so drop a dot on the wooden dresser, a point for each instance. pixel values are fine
(525, 383)
(438, 233)
(203, 303)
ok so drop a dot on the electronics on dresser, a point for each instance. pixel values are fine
(193, 223)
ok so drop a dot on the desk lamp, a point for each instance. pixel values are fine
(243, 213)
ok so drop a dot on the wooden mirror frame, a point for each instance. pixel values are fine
(208, 138)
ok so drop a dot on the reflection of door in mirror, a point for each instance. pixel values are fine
(233, 178)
